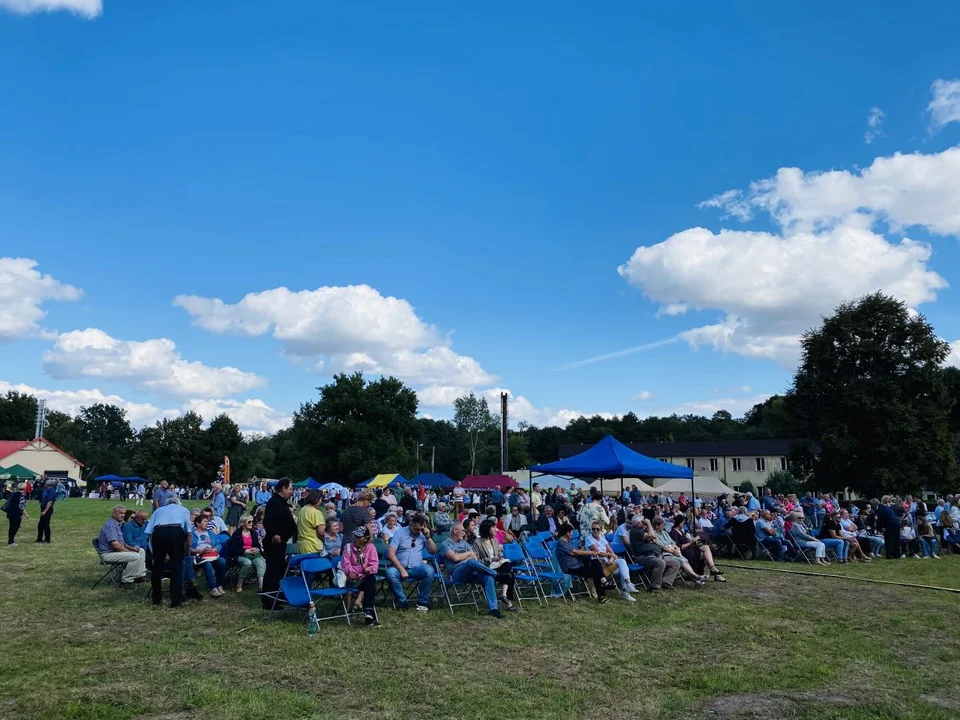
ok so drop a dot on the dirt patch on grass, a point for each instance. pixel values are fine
(770, 704)
(950, 703)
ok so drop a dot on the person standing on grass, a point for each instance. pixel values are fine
(279, 527)
(168, 535)
(16, 509)
(47, 500)
(889, 524)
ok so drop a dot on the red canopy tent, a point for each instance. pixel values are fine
(489, 482)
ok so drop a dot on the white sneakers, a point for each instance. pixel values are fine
(627, 596)
(630, 588)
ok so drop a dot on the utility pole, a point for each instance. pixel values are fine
(41, 418)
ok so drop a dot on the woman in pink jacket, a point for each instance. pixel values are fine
(360, 562)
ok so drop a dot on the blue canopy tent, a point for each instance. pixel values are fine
(434, 480)
(110, 479)
(135, 479)
(610, 459)
(314, 484)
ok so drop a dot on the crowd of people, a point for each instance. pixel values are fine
(402, 539)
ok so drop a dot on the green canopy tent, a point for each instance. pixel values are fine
(19, 472)
(301, 484)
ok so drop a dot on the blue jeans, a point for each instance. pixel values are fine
(929, 546)
(776, 546)
(214, 572)
(423, 574)
(472, 571)
(838, 546)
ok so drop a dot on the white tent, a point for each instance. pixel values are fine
(702, 486)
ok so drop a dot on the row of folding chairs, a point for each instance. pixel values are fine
(536, 574)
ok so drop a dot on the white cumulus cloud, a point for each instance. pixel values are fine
(348, 328)
(23, 291)
(87, 8)
(150, 365)
(70, 402)
(251, 415)
(903, 189)
(644, 396)
(737, 407)
(769, 287)
(944, 108)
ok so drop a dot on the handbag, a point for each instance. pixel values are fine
(609, 568)
(340, 578)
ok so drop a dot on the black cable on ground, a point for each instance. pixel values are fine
(841, 577)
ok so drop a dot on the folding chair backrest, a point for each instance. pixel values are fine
(380, 545)
(618, 547)
(316, 565)
(514, 553)
(96, 549)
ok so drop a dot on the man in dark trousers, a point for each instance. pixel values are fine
(279, 526)
(47, 500)
(888, 522)
(168, 535)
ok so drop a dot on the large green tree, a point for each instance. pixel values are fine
(18, 416)
(871, 392)
(357, 429)
(105, 439)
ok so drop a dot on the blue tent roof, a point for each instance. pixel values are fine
(134, 479)
(313, 484)
(436, 480)
(610, 458)
(109, 478)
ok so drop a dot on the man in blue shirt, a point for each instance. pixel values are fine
(169, 537)
(47, 500)
(405, 556)
(769, 501)
(160, 495)
(135, 530)
(263, 495)
(769, 538)
(113, 549)
(496, 497)
(752, 502)
(464, 567)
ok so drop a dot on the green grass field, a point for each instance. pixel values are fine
(762, 645)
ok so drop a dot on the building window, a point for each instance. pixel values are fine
(714, 465)
(736, 464)
(761, 464)
(690, 463)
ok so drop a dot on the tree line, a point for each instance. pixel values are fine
(871, 392)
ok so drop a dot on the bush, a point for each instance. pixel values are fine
(781, 482)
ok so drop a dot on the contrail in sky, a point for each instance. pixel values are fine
(621, 353)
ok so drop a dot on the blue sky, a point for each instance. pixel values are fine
(490, 169)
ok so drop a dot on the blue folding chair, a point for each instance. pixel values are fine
(293, 566)
(542, 565)
(315, 566)
(620, 549)
(524, 575)
(456, 594)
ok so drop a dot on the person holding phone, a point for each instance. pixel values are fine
(360, 563)
(405, 555)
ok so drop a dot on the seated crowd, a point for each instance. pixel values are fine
(560, 541)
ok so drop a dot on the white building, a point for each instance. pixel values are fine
(41, 456)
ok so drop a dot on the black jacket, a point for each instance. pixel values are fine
(543, 524)
(234, 547)
(278, 520)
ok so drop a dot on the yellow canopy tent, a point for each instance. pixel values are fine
(384, 479)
